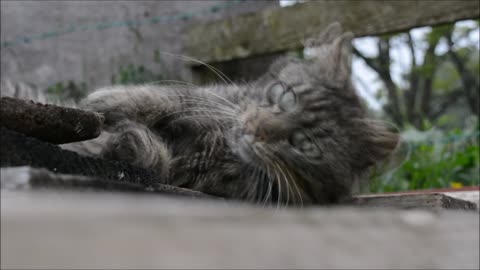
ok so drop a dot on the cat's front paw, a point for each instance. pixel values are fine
(113, 103)
(138, 146)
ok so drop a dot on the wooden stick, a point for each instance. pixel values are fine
(49, 123)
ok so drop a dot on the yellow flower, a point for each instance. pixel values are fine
(456, 185)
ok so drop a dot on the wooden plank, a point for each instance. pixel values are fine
(100, 230)
(417, 201)
(471, 196)
(281, 29)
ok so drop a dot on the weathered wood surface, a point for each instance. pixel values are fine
(49, 123)
(66, 230)
(471, 196)
(281, 29)
(20, 150)
(26, 178)
(419, 201)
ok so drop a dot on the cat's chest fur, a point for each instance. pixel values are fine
(202, 159)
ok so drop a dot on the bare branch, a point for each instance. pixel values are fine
(450, 99)
(381, 65)
(411, 94)
(470, 84)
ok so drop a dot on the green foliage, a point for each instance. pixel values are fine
(134, 75)
(68, 90)
(452, 161)
(438, 33)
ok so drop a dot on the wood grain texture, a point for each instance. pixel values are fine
(417, 201)
(281, 29)
(49, 123)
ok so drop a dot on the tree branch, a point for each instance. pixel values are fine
(411, 94)
(450, 99)
(381, 65)
(470, 84)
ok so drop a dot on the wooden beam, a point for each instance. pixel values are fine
(282, 29)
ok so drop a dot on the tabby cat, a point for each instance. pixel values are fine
(298, 135)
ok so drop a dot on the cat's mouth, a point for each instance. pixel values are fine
(245, 148)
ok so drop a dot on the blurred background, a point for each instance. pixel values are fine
(424, 81)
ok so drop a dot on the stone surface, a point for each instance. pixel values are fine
(94, 55)
(102, 230)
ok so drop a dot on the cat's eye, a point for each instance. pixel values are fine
(304, 145)
(275, 92)
(287, 100)
(282, 96)
(297, 139)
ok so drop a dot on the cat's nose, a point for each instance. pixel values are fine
(255, 124)
(253, 129)
(248, 138)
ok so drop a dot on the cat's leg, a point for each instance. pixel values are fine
(139, 146)
(143, 103)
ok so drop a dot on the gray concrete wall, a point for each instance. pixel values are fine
(94, 55)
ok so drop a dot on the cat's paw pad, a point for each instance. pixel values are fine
(125, 146)
(139, 147)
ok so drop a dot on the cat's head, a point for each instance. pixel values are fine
(307, 128)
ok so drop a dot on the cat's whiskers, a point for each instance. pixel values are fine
(219, 113)
(217, 72)
(260, 189)
(264, 154)
(296, 186)
(288, 179)
(287, 184)
(224, 99)
(269, 190)
(252, 194)
(267, 164)
(183, 83)
(199, 122)
(184, 98)
(265, 196)
(205, 105)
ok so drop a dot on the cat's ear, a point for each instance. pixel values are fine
(343, 53)
(327, 36)
(332, 52)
